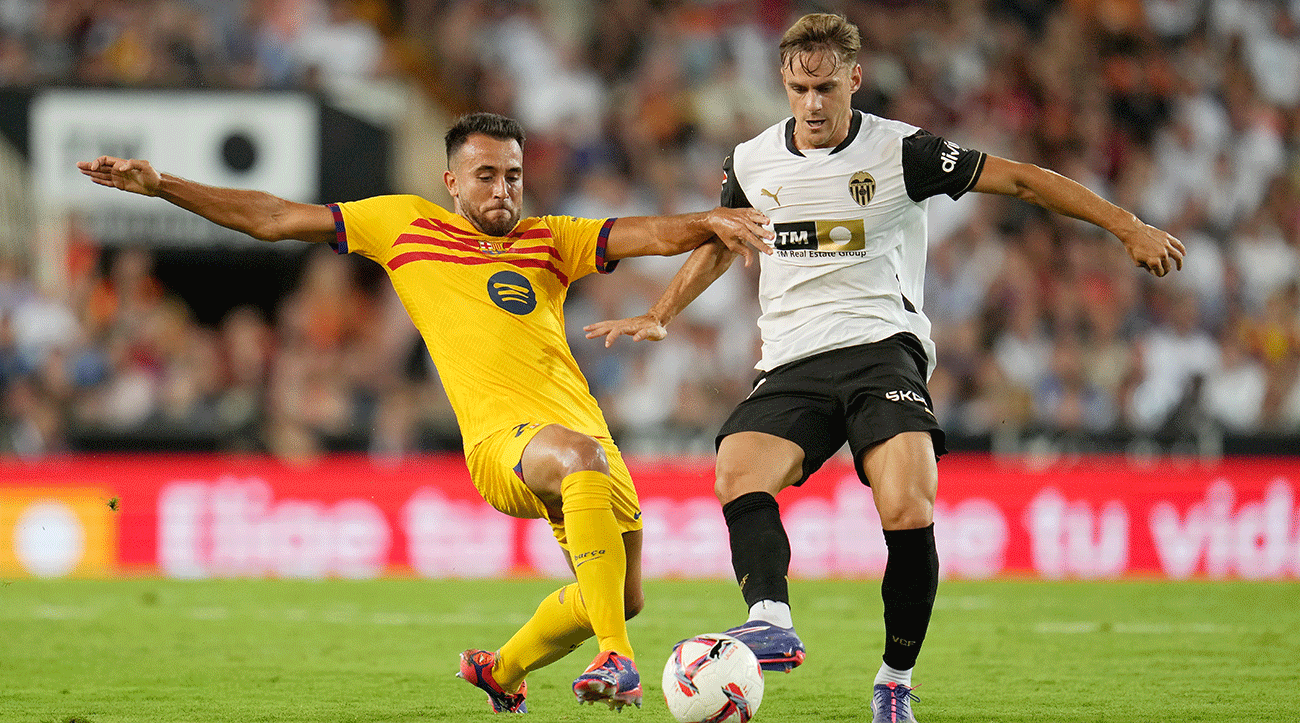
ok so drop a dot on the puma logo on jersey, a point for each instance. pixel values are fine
(772, 194)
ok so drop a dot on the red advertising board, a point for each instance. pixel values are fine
(212, 516)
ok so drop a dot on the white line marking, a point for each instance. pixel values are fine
(1132, 628)
(209, 613)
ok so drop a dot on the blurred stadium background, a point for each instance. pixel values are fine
(1106, 423)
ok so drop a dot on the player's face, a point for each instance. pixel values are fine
(486, 180)
(820, 88)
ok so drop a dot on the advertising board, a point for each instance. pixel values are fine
(212, 516)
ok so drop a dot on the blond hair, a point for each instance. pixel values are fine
(817, 33)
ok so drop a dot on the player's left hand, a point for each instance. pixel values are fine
(1154, 250)
(742, 230)
(640, 328)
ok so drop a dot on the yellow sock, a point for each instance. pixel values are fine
(596, 547)
(559, 625)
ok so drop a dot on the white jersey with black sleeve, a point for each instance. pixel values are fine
(850, 226)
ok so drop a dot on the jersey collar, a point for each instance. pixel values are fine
(854, 126)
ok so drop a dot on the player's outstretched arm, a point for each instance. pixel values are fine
(702, 268)
(258, 214)
(1149, 247)
(741, 229)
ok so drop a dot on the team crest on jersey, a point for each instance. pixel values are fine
(493, 247)
(862, 187)
(821, 236)
(512, 292)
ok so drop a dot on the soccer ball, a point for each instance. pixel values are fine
(712, 678)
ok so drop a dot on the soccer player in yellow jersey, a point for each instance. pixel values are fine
(486, 290)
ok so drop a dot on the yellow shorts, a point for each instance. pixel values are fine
(494, 468)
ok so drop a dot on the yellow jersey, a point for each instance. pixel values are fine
(490, 308)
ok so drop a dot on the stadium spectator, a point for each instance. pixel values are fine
(337, 49)
(1023, 351)
(1066, 401)
(1271, 262)
(1233, 394)
(189, 43)
(1177, 356)
(245, 351)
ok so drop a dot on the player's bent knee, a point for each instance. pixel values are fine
(728, 490)
(737, 475)
(557, 452)
(906, 522)
(728, 487)
(582, 454)
(907, 516)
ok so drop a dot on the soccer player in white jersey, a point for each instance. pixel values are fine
(846, 346)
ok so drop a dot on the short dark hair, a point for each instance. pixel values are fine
(822, 32)
(488, 124)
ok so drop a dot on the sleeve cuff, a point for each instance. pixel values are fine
(340, 242)
(974, 177)
(603, 266)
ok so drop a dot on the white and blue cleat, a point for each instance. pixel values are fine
(777, 649)
(892, 703)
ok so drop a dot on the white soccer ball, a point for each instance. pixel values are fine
(712, 678)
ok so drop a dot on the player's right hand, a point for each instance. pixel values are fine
(1154, 250)
(134, 176)
(640, 328)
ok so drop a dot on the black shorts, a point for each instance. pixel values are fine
(861, 394)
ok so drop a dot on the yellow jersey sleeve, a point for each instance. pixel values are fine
(369, 226)
(581, 243)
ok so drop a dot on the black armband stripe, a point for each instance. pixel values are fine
(933, 165)
(733, 196)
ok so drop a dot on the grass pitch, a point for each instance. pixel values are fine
(168, 651)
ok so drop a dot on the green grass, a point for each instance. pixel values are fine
(179, 652)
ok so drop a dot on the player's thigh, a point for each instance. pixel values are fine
(904, 478)
(787, 427)
(756, 462)
(494, 468)
(892, 431)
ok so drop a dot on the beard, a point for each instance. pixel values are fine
(496, 224)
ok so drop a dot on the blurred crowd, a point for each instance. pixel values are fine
(1186, 112)
(191, 43)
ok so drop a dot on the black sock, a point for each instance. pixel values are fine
(909, 586)
(760, 550)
